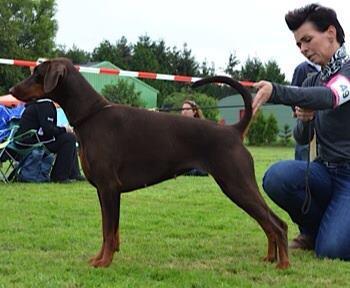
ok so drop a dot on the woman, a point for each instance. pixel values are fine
(321, 105)
(191, 109)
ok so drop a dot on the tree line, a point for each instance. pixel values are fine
(28, 29)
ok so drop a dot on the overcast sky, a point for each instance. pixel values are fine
(211, 29)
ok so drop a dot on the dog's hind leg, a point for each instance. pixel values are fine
(117, 238)
(246, 195)
(110, 208)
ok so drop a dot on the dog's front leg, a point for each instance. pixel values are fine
(110, 208)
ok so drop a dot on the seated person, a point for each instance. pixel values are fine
(41, 115)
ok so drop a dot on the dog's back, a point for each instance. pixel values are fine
(171, 144)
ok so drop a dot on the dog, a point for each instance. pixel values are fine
(124, 148)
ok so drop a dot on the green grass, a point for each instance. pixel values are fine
(180, 233)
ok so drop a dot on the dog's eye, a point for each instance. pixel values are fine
(37, 77)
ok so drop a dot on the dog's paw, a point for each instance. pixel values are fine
(102, 263)
(283, 265)
(270, 258)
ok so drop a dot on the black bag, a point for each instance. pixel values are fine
(36, 166)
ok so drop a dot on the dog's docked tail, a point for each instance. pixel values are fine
(243, 123)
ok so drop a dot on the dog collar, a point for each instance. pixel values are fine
(79, 122)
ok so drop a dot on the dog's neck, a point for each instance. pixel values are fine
(81, 100)
(90, 115)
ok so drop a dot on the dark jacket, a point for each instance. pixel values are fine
(40, 115)
(303, 71)
(330, 100)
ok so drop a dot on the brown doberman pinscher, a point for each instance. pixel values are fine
(124, 148)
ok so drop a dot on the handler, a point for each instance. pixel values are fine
(322, 103)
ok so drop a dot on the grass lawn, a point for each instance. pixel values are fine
(180, 233)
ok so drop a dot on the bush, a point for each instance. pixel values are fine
(271, 129)
(123, 92)
(262, 131)
(285, 135)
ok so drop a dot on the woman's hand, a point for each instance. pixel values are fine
(69, 129)
(304, 114)
(263, 94)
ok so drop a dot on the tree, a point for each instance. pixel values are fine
(144, 58)
(206, 70)
(252, 70)
(27, 31)
(285, 135)
(123, 93)
(119, 54)
(256, 130)
(186, 64)
(273, 73)
(271, 129)
(77, 55)
(231, 66)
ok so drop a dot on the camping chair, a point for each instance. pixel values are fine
(6, 159)
(12, 153)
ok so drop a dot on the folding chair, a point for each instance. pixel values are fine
(12, 151)
(6, 159)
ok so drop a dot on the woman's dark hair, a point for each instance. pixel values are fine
(322, 17)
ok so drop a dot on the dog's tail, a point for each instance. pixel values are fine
(243, 123)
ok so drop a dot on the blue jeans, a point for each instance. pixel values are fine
(328, 219)
(301, 152)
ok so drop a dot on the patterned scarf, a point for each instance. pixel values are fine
(337, 61)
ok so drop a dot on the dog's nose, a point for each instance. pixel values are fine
(11, 90)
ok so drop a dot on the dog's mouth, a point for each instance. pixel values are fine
(24, 96)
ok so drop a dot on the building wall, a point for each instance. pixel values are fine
(147, 93)
(282, 113)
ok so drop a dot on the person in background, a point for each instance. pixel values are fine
(304, 70)
(41, 115)
(191, 109)
(323, 105)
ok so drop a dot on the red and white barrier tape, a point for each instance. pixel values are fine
(134, 74)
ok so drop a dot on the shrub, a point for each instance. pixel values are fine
(262, 131)
(285, 135)
(123, 92)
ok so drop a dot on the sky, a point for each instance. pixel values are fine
(211, 29)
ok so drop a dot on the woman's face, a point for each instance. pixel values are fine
(316, 46)
(187, 110)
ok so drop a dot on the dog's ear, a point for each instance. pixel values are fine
(54, 73)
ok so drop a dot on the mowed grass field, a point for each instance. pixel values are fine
(180, 233)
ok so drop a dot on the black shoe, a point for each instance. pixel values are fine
(65, 181)
(79, 178)
(303, 242)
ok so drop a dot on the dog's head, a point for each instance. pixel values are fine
(45, 78)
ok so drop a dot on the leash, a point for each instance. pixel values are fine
(307, 201)
(163, 109)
